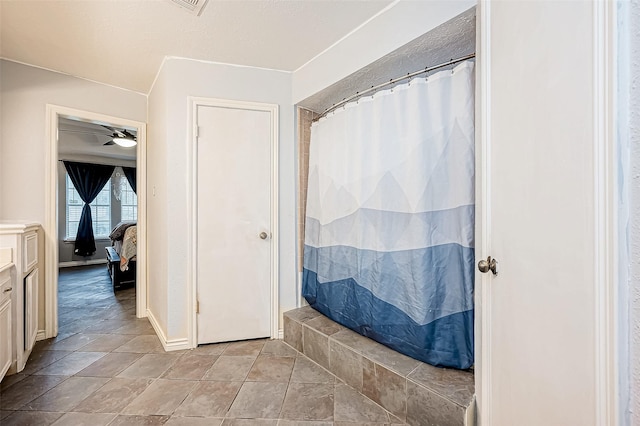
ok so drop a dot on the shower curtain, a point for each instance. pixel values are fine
(390, 217)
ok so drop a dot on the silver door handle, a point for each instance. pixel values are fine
(263, 235)
(490, 264)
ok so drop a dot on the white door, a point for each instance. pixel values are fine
(234, 242)
(541, 332)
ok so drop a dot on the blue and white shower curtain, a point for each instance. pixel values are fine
(390, 217)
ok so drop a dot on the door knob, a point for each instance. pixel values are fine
(263, 235)
(488, 265)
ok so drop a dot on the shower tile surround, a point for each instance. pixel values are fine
(305, 118)
(413, 391)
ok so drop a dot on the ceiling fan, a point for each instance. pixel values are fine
(123, 137)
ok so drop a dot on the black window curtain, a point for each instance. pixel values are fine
(88, 179)
(130, 173)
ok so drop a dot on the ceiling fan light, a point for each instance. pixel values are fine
(125, 142)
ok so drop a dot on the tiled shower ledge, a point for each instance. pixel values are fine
(415, 392)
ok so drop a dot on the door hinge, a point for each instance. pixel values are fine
(197, 306)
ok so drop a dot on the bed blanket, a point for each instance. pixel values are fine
(128, 251)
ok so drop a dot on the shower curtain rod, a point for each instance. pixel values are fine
(393, 81)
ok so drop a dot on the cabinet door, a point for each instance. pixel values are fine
(30, 309)
(5, 338)
(30, 253)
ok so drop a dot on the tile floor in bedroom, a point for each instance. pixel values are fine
(108, 368)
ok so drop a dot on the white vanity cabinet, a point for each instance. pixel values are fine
(6, 338)
(23, 240)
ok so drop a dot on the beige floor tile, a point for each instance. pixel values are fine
(307, 371)
(71, 364)
(211, 349)
(137, 327)
(209, 399)
(107, 326)
(162, 397)
(40, 359)
(308, 401)
(150, 366)
(110, 365)
(125, 420)
(278, 348)
(190, 367)
(11, 380)
(248, 383)
(30, 418)
(114, 396)
(244, 348)
(74, 342)
(66, 395)
(107, 343)
(27, 390)
(193, 421)
(456, 385)
(271, 369)
(142, 344)
(258, 400)
(230, 368)
(85, 419)
(350, 406)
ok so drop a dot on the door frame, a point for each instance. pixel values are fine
(54, 112)
(192, 296)
(609, 244)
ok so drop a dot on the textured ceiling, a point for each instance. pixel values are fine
(123, 42)
(453, 39)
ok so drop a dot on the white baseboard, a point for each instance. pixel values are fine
(41, 335)
(82, 263)
(281, 334)
(168, 345)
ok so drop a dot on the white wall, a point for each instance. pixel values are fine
(395, 26)
(25, 92)
(168, 147)
(157, 202)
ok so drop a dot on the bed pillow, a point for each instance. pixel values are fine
(118, 231)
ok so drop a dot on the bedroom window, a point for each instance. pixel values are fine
(128, 204)
(100, 211)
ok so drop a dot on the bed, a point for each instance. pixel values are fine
(121, 256)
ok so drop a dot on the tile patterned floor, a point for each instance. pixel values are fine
(108, 368)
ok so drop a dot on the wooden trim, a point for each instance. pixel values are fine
(168, 345)
(482, 213)
(606, 233)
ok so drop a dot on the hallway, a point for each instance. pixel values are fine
(108, 368)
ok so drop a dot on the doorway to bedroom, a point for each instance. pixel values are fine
(96, 274)
(97, 213)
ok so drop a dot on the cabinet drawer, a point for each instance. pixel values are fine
(5, 286)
